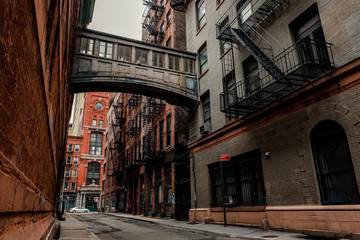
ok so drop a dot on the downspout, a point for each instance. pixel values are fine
(195, 196)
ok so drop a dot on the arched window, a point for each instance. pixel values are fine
(334, 168)
(96, 139)
(93, 173)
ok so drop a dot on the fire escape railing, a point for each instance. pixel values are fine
(277, 76)
(299, 63)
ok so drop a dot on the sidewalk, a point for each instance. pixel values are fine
(229, 231)
(73, 229)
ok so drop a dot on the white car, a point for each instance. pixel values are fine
(79, 210)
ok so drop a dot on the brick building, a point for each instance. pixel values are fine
(85, 151)
(36, 58)
(279, 87)
(146, 143)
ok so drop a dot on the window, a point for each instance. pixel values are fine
(68, 160)
(73, 186)
(168, 42)
(168, 18)
(99, 106)
(206, 108)
(101, 123)
(67, 173)
(334, 167)
(189, 65)
(310, 38)
(161, 135)
(224, 46)
(77, 148)
(87, 46)
(76, 160)
(203, 60)
(174, 62)
(94, 122)
(168, 131)
(70, 147)
(200, 5)
(74, 173)
(155, 138)
(66, 186)
(252, 78)
(141, 56)
(124, 53)
(96, 139)
(93, 173)
(158, 59)
(106, 50)
(162, 28)
(243, 180)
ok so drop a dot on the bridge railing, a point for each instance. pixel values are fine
(104, 54)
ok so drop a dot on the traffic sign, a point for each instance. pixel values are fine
(224, 157)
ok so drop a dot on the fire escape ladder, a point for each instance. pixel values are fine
(257, 53)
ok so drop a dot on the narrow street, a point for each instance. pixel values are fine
(110, 227)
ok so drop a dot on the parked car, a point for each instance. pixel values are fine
(79, 210)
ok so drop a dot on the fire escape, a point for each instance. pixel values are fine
(151, 110)
(118, 143)
(178, 5)
(243, 24)
(150, 20)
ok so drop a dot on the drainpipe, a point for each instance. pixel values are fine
(195, 197)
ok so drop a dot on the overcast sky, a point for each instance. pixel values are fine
(119, 17)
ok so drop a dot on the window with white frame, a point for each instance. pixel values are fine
(73, 186)
(68, 160)
(96, 139)
(106, 50)
(70, 147)
(94, 122)
(66, 186)
(101, 123)
(77, 147)
(76, 160)
(67, 172)
(74, 172)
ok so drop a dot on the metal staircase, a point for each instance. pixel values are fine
(150, 19)
(277, 76)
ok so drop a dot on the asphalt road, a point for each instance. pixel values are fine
(110, 227)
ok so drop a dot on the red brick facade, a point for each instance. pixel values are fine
(35, 103)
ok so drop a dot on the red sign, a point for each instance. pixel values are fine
(224, 158)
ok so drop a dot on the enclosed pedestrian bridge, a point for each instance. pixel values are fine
(109, 63)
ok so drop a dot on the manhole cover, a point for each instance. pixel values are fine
(270, 236)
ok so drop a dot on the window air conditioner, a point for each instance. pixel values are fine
(204, 129)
